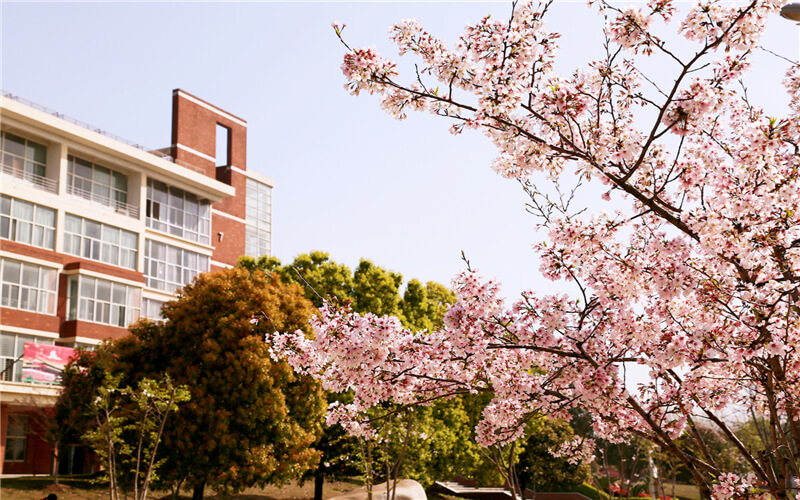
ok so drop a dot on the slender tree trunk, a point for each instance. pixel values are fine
(319, 481)
(198, 491)
(177, 489)
(151, 465)
(56, 463)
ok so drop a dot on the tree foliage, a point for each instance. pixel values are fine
(121, 422)
(368, 288)
(537, 468)
(129, 425)
(250, 420)
(435, 441)
(371, 288)
(81, 379)
(696, 276)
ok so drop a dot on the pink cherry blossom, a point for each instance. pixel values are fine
(696, 279)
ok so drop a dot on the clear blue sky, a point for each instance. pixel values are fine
(350, 180)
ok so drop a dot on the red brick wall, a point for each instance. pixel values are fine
(236, 205)
(231, 247)
(195, 126)
(28, 319)
(3, 423)
(63, 292)
(35, 252)
(99, 267)
(38, 453)
(76, 328)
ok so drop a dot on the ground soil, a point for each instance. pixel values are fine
(37, 488)
(69, 489)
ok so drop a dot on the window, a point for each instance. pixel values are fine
(151, 308)
(28, 286)
(177, 212)
(169, 268)
(97, 241)
(28, 223)
(11, 348)
(23, 158)
(222, 149)
(102, 301)
(16, 438)
(258, 239)
(94, 182)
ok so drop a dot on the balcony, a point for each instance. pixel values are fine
(118, 206)
(38, 181)
(155, 152)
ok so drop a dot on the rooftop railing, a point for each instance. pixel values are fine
(100, 131)
(117, 206)
(39, 181)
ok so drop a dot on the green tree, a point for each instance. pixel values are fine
(251, 420)
(130, 424)
(376, 290)
(440, 443)
(537, 468)
(319, 276)
(426, 443)
(424, 306)
(81, 380)
(447, 429)
(369, 288)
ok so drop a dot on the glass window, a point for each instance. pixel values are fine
(28, 223)
(28, 286)
(258, 203)
(151, 308)
(22, 158)
(12, 346)
(97, 183)
(102, 301)
(177, 212)
(97, 241)
(169, 268)
(16, 438)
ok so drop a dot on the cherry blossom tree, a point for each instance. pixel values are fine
(696, 278)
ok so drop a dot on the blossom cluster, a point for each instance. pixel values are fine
(697, 280)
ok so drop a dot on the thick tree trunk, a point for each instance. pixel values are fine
(319, 481)
(198, 491)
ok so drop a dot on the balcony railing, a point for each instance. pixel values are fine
(117, 206)
(115, 137)
(41, 182)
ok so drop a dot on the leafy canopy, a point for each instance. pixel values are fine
(250, 420)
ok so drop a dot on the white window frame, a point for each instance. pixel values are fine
(77, 184)
(102, 301)
(35, 231)
(13, 293)
(180, 213)
(174, 270)
(27, 164)
(151, 308)
(105, 247)
(258, 218)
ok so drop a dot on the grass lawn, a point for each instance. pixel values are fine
(34, 488)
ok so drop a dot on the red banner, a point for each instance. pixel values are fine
(44, 363)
